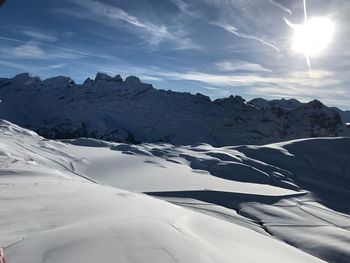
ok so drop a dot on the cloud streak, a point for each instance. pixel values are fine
(29, 50)
(30, 68)
(246, 80)
(39, 36)
(227, 66)
(280, 6)
(232, 29)
(34, 50)
(113, 16)
(11, 39)
(185, 8)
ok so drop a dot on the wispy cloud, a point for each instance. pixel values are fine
(227, 80)
(39, 35)
(273, 2)
(11, 39)
(29, 50)
(34, 50)
(221, 22)
(110, 15)
(240, 66)
(30, 68)
(113, 16)
(185, 8)
(57, 66)
(14, 65)
(232, 29)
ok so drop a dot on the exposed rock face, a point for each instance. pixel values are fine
(112, 109)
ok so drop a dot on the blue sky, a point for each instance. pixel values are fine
(218, 48)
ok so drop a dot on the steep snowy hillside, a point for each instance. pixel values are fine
(50, 213)
(112, 109)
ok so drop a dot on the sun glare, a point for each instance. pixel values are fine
(312, 37)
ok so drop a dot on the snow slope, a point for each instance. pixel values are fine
(50, 213)
(62, 201)
(131, 111)
(297, 191)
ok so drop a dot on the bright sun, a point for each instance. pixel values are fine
(312, 37)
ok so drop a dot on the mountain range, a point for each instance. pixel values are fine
(114, 109)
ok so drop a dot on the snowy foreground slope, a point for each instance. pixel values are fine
(128, 110)
(63, 202)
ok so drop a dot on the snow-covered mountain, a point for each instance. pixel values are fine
(113, 109)
(81, 201)
(291, 104)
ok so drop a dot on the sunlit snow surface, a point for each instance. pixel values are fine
(82, 201)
